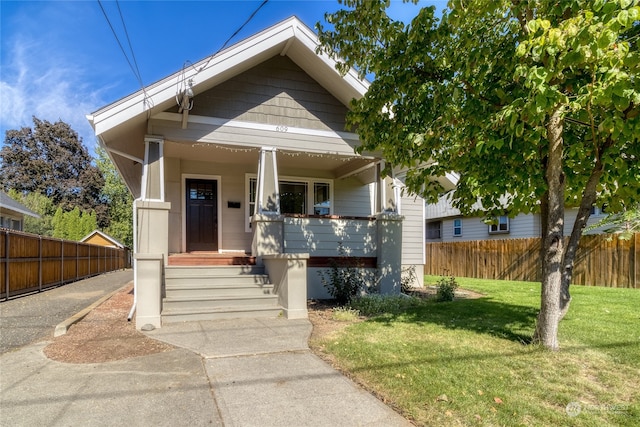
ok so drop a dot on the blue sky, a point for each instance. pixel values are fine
(60, 59)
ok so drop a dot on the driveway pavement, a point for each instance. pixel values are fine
(33, 318)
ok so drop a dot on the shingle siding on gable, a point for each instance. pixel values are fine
(276, 92)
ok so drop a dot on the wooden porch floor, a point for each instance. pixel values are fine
(210, 258)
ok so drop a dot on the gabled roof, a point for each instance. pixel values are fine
(290, 37)
(7, 202)
(105, 236)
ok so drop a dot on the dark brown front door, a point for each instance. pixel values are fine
(202, 215)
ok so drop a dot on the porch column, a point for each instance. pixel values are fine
(151, 235)
(268, 191)
(267, 223)
(389, 253)
(389, 232)
(388, 191)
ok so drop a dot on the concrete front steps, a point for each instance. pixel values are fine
(217, 292)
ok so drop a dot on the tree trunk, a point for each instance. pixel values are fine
(546, 332)
(588, 200)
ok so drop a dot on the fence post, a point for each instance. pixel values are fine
(39, 263)
(6, 261)
(635, 261)
(61, 261)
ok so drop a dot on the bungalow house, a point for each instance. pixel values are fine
(445, 223)
(12, 213)
(247, 183)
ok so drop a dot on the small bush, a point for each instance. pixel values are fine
(446, 288)
(344, 280)
(345, 314)
(407, 279)
(374, 304)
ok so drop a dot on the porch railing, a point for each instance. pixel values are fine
(324, 237)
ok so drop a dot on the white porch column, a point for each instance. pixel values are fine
(267, 223)
(388, 191)
(153, 169)
(268, 191)
(152, 235)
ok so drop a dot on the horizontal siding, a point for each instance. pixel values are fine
(521, 226)
(351, 198)
(321, 236)
(413, 230)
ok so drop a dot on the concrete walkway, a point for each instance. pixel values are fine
(222, 373)
(263, 374)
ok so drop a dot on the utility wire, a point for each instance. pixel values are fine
(253, 14)
(133, 56)
(135, 70)
(180, 86)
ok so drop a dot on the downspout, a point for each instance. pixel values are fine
(135, 251)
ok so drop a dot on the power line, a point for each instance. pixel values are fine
(134, 70)
(253, 14)
(181, 79)
(130, 47)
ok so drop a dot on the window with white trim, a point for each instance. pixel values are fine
(501, 226)
(457, 227)
(307, 196)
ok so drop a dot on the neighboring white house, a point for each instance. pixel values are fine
(444, 223)
(12, 213)
(244, 158)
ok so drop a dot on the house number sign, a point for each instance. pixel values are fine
(281, 128)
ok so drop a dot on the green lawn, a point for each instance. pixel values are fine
(468, 362)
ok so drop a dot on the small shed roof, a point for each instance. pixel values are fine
(105, 236)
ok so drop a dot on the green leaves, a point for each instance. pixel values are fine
(473, 92)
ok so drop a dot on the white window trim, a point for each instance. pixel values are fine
(183, 212)
(454, 227)
(498, 231)
(310, 193)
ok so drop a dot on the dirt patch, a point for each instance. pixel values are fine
(429, 292)
(105, 335)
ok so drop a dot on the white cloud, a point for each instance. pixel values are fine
(38, 83)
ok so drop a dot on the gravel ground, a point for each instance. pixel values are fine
(33, 318)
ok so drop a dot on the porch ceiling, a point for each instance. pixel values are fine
(289, 162)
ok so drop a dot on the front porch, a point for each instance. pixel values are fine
(277, 279)
(247, 167)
